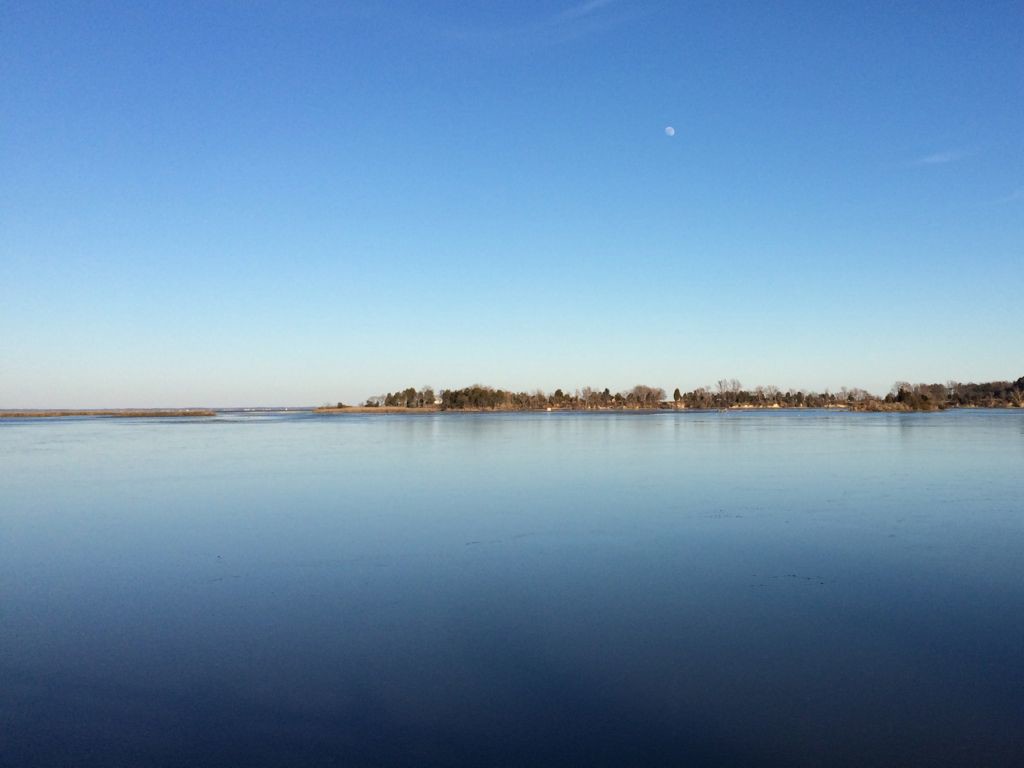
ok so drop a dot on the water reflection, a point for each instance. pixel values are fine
(606, 589)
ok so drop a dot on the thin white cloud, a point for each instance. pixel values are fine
(589, 18)
(940, 158)
(581, 10)
(1017, 194)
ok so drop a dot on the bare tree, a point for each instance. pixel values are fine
(644, 396)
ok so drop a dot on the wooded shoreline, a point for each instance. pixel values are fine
(665, 407)
(726, 394)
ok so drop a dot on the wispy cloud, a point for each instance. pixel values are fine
(1017, 194)
(941, 158)
(589, 18)
(581, 10)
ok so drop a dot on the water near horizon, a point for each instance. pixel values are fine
(792, 588)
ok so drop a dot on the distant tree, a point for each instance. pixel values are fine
(896, 387)
(644, 396)
(728, 391)
(938, 393)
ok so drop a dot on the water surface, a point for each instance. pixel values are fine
(795, 588)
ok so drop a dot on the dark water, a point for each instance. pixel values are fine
(517, 590)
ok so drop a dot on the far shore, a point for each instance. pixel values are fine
(123, 413)
(387, 410)
(375, 409)
(384, 410)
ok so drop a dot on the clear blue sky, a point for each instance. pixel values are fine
(261, 203)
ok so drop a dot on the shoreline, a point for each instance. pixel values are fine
(362, 410)
(844, 408)
(117, 413)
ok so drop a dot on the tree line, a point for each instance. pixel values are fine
(479, 397)
(726, 393)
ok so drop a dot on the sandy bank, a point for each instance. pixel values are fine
(123, 413)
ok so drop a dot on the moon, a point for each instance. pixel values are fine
(670, 131)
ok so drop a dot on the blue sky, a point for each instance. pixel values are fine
(266, 203)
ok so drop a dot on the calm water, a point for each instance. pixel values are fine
(513, 590)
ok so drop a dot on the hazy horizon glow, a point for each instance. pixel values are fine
(210, 204)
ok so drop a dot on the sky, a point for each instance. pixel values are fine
(279, 203)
